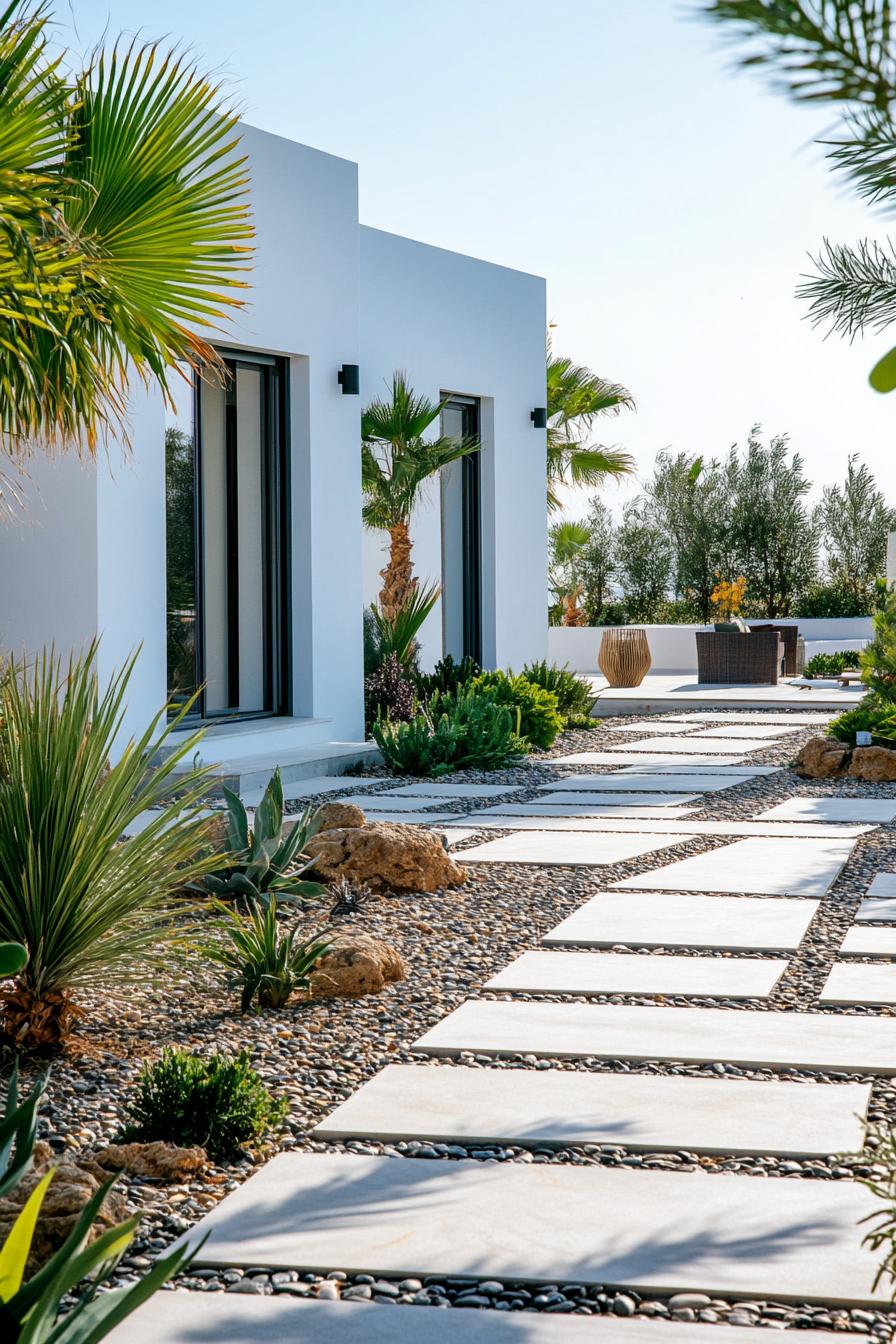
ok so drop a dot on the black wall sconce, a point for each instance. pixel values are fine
(349, 377)
(539, 417)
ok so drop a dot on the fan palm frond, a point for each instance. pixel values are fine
(576, 399)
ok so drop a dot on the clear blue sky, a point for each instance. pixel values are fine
(669, 201)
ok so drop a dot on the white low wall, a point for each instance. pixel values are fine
(674, 649)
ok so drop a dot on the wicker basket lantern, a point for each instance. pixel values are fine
(624, 657)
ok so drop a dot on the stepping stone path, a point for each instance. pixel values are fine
(770, 867)
(216, 1318)
(664, 1231)
(857, 983)
(570, 1222)
(627, 973)
(655, 919)
(751, 1040)
(568, 848)
(558, 1107)
(832, 809)
(869, 942)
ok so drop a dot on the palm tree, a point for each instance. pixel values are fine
(395, 463)
(123, 227)
(576, 398)
(566, 543)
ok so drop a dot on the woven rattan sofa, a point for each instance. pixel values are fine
(794, 647)
(726, 657)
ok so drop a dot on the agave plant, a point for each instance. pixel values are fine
(30, 1308)
(88, 908)
(260, 864)
(262, 958)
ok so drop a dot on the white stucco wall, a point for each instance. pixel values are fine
(456, 324)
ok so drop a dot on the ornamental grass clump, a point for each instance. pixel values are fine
(89, 908)
(218, 1103)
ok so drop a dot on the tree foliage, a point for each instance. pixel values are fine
(855, 520)
(692, 502)
(840, 52)
(577, 398)
(643, 561)
(123, 229)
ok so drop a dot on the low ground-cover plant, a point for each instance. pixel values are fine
(868, 717)
(258, 864)
(261, 957)
(539, 721)
(823, 665)
(453, 732)
(574, 699)
(217, 1102)
(30, 1307)
(88, 908)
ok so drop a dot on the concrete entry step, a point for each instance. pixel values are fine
(654, 1231)
(751, 1039)
(631, 973)
(556, 1107)
(219, 1318)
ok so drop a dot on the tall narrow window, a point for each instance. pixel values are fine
(461, 536)
(239, 529)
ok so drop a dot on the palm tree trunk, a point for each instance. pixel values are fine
(398, 576)
(34, 1023)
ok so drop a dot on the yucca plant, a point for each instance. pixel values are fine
(30, 1308)
(397, 632)
(123, 228)
(88, 908)
(261, 957)
(258, 863)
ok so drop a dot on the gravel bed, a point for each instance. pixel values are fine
(318, 1054)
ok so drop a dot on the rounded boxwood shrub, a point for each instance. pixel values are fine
(216, 1102)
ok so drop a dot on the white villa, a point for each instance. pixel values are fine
(269, 571)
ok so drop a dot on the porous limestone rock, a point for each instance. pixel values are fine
(384, 856)
(76, 1179)
(165, 1161)
(356, 964)
(338, 816)
(873, 763)
(822, 758)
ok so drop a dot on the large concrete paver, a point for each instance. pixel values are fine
(222, 1318)
(535, 816)
(856, 983)
(865, 941)
(841, 1043)
(574, 848)
(878, 810)
(760, 866)
(630, 973)
(622, 783)
(667, 919)
(646, 1112)
(648, 758)
(653, 1231)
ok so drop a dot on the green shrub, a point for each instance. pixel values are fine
(261, 958)
(218, 1103)
(448, 676)
(574, 699)
(827, 600)
(539, 721)
(88, 908)
(879, 720)
(30, 1307)
(831, 664)
(258, 865)
(469, 730)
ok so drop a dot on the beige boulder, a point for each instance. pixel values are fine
(385, 857)
(873, 763)
(75, 1181)
(165, 1161)
(822, 758)
(338, 816)
(356, 964)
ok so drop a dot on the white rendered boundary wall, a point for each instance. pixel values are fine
(673, 648)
